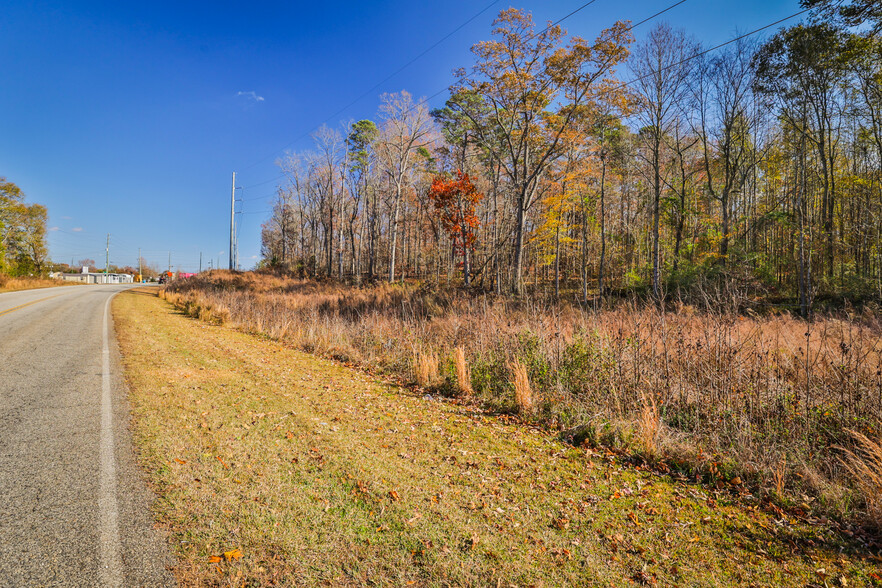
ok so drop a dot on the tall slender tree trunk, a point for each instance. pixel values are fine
(518, 285)
(656, 213)
(394, 231)
(557, 262)
(600, 270)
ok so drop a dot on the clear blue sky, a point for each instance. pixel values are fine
(128, 118)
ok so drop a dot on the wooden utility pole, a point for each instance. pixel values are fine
(107, 254)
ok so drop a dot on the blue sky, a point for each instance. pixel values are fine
(128, 118)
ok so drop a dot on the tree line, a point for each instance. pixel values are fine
(592, 167)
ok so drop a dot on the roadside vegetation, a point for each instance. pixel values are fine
(773, 401)
(23, 251)
(10, 284)
(275, 467)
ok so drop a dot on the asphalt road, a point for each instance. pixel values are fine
(74, 510)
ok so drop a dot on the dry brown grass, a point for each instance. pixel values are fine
(649, 425)
(523, 391)
(864, 462)
(463, 375)
(425, 367)
(744, 389)
(10, 284)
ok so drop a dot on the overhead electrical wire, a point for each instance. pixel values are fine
(446, 88)
(715, 47)
(377, 85)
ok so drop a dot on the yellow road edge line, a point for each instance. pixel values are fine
(8, 310)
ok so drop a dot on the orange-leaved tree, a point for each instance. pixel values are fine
(456, 199)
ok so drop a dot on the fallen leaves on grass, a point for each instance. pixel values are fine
(232, 555)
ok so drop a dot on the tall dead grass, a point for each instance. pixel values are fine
(729, 392)
(649, 424)
(864, 462)
(11, 284)
(522, 389)
(463, 375)
(426, 369)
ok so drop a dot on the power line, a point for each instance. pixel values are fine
(630, 28)
(377, 85)
(659, 13)
(715, 47)
(533, 36)
(628, 83)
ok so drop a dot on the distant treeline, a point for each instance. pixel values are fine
(596, 166)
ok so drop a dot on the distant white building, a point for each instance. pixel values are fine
(87, 277)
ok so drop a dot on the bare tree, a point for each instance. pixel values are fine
(662, 73)
(405, 127)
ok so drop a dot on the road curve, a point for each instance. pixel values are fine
(73, 506)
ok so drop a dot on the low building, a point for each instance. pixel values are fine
(98, 278)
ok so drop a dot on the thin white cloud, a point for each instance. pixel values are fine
(52, 229)
(250, 96)
(77, 229)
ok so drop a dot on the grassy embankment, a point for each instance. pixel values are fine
(10, 284)
(712, 393)
(321, 475)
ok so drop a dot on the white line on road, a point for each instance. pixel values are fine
(110, 568)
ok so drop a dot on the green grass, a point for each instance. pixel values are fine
(322, 475)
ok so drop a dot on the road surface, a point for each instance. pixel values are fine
(73, 506)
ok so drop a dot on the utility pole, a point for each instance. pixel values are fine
(200, 262)
(140, 273)
(107, 254)
(232, 221)
(169, 262)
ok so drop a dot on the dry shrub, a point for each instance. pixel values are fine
(523, 392)
(865, 465)
(425, 366)
(463, 376)
(649, 424)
